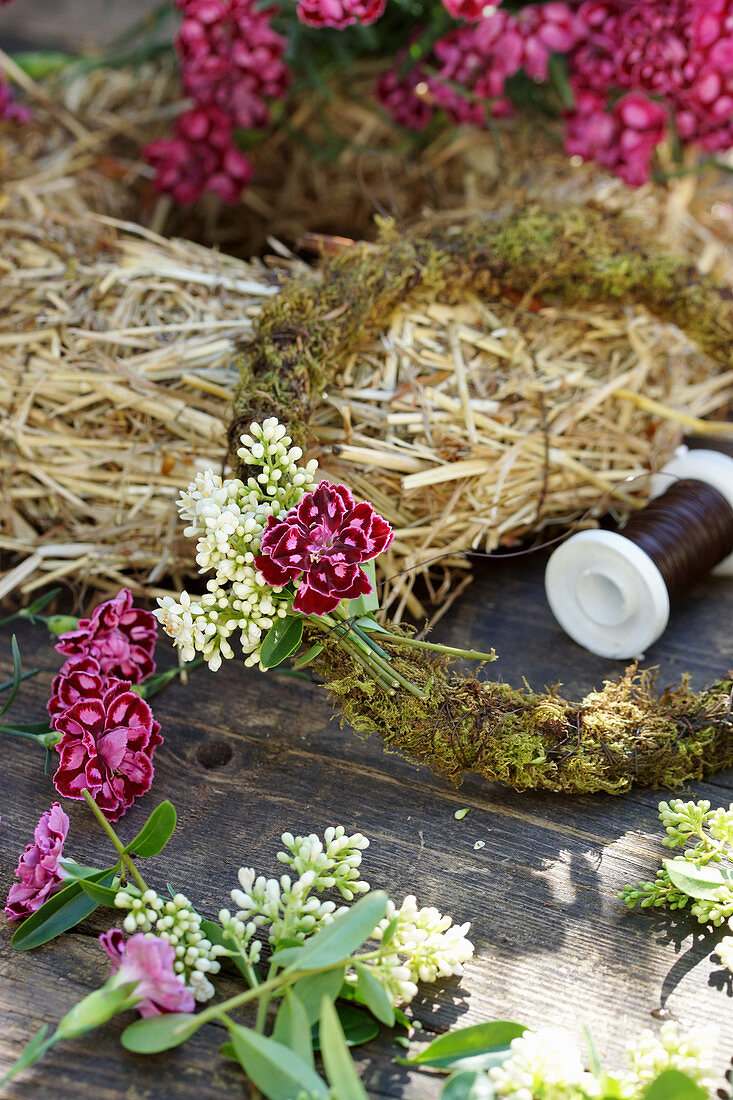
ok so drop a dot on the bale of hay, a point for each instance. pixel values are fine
(116, 375)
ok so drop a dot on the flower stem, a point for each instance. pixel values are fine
(125, 859)
(470, 654)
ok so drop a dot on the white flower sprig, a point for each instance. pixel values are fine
(227, 518)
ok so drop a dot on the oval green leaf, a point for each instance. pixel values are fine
(155, 833)
(308, 656)
(374, 996)
(157, 1033)
(480, 1046)
(273, 1068)
(674, 1085)
(468, 1085)
(358, 1027)
(61, 912)
(340, 939)
(102, 895)
(293, 1028)
(314, 987)
(340, 1069)
(699, 882)
(282, 639)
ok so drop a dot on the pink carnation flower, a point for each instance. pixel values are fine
(396, 92)
(322, 541)
(547, 28)
(120, 637)
(340, 13)
(622, 140)
(107, 746)
(38, 869)
(78, 678)
(148, 961)
(201, 157)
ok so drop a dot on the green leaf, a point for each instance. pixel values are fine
(286, 956)
(155, 833)
(17, 673)
(480, 1046)
(369, 624)
(358, 1027)
(282, 639)
(34, 1049)
(272, 1067)
(374, 995)
(339, 940)
(157, 1033)
(293, 1028)
(674, 1085)
(364, 605)
(388, 934)
(77, 870)
(314, 987)
(340, 1069)
(469, 1084)
(38, 64)
(102, 895)
(698, 882)
(308, 656)
(460, 814)
(61, 912)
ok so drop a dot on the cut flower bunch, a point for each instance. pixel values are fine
(337, 968)
(320, 944)
(293, 576)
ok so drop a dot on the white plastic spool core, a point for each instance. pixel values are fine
(605, 591)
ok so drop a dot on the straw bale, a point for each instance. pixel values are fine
(116, 375)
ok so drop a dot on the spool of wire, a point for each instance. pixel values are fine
(611, 590)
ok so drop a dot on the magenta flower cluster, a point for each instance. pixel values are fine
(638, 70)
(231, 67)
(320, 543)
(108, 732)
(38, 872)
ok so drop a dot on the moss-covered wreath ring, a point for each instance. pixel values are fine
(625, 735)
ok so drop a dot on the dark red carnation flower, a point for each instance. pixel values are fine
(323, 540)
(78, 678)
(107, 746)
(120, 637)
(340, 13)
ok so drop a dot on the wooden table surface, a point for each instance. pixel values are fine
(248, 756)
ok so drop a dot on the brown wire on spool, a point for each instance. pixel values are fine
(686, 532)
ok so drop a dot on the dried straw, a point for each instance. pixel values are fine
(116, 374)
(473, 426)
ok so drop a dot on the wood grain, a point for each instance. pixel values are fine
(247, 756)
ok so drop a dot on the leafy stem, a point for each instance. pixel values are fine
(125, 860)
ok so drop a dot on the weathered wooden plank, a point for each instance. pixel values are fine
(247, 756)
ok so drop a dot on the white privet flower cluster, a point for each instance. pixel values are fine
(176, 922)
(692, 1052)
(724, 950)
(544, 1063)
(424, 945)
(547, 1065)
(228, 518)
(412, 944)
(290, 905)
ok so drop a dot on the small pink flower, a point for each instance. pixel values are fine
(120, 637)
(78, 678)
(470, 10)
(546, 29)
(148, 961)
(9, 109)
(38, 869)
(396, 92)
(107, 746)
(340, 13)
(201, 157)
(323, 540)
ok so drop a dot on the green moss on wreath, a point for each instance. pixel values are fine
(307, 334)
